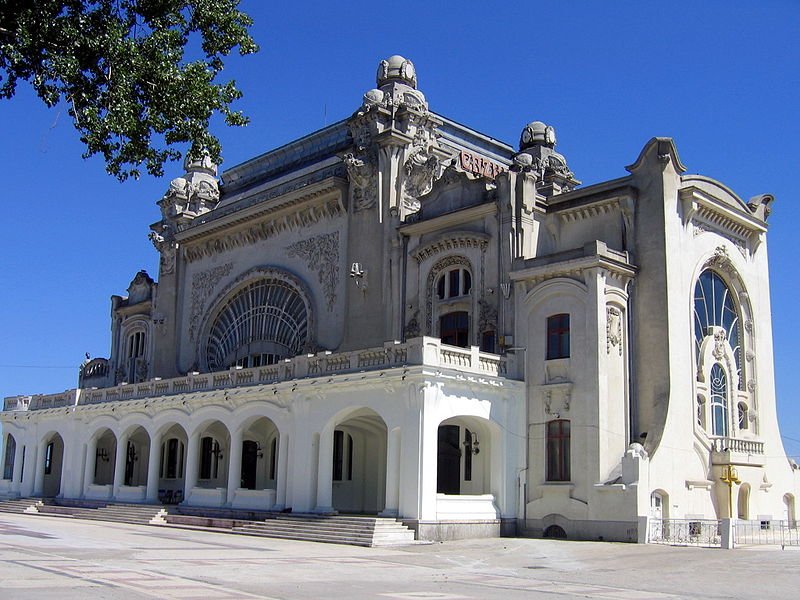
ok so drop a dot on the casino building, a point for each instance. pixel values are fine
(399, 315)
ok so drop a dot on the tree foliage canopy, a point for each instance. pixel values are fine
(121, 67)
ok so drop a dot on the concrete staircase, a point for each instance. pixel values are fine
(333, 529)
(138, 514)
(20, 505)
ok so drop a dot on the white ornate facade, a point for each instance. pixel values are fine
(399, 315)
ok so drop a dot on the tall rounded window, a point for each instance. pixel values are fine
(262, 323)
(714, 306)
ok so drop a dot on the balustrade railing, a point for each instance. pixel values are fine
(731, 444)
(418, 351)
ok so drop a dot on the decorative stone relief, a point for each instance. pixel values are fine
(412, 327)
(321, 253)
(203, 283)
(613, 329)
(700, 228)
(164, 242)
(363, 179)
(487, 316)
(719, 343)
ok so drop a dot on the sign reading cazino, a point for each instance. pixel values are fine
(478, 165)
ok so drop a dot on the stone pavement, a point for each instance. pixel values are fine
(53, 558)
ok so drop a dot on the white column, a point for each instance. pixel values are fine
(38, 466)
(153, 468)
(283, 461)
(91, 458)
(234, 464)
(119, 464)
(16, 477)
(192, 464)
(325, 473)
(392, 474)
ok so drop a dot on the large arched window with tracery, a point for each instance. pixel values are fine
(715, 306)
(262, 323)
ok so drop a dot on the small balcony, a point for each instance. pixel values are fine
(737, 451)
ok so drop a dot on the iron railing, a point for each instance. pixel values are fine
(685, 532)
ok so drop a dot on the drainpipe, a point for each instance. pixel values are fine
(633, 403)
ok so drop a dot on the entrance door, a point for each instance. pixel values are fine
(448, 468)
(249, 464)
(130, 460)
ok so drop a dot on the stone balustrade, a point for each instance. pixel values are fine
(424, 351)
(737, 445)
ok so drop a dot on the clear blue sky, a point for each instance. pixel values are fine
(720, 77)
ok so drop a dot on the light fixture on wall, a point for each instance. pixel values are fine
(471, 444)
(359, 274)
(217, 451)
(259, 450)
(102, 454)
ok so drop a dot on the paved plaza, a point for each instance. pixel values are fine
(47, 557)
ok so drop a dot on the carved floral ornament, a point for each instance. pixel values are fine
(613, 329)
(321, 253)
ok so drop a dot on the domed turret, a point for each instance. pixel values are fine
(537, 134)
(396, 68)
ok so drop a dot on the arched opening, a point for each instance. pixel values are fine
(105, 456)
(172, 465)
(556, 532)
(463, 455)
(260, 441)
(8, 458)
(137, 456)
(214, 454)
(53, 459)
(359, 463)
(659, 513)
(789, 514)
(743, 502)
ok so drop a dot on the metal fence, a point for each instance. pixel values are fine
(767, 533)
(685, 532)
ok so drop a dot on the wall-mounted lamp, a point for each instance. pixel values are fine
(358, 273)
(217, 451)
(259, 450)
(102, 454)
(471, 444)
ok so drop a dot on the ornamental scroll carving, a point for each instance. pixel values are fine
(363, 179)
(203, 283)
(321, 253)
(613, 329)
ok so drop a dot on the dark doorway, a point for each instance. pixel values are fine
(448, 466)
(130, 460)
(249, 464)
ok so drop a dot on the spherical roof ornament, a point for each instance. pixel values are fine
(537, 134)
(397, 68)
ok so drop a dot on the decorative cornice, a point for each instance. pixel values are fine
(457, 240)
(454, 218)
(325, 202)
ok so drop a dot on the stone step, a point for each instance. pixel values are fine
(352, 530)
(268, 526)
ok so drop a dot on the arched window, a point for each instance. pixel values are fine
(8, 462)
(714, 306)
(742, 415)
(719, 401)
(261, 324)
(453, 283)
(558, 451)
(135, 357)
